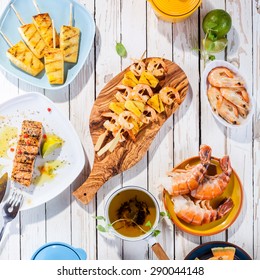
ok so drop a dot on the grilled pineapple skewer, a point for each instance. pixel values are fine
(44, 26)
(21, 56)
(54, 63)
(43, 23)
(31, 36)
(69, 40)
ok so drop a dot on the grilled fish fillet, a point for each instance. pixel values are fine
(54, 66)
(26, 152)
(69, 42)
(43, 24)
(21, 56)
(33, 39)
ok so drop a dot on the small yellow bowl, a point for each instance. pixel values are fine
(174, 10)
(233, 190)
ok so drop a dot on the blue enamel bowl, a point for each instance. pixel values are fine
(59, 251)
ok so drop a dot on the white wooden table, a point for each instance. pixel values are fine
(134, 23)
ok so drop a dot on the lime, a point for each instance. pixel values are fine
(50, 143)
(214, 46)
(216, 24)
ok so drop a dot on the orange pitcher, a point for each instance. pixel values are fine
(174, 10)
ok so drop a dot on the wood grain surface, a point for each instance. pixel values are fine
(135, 24)
(127, 153)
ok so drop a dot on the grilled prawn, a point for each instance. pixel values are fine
(199, 212)
(213, 96)
(185, 181)
(213, 186)
(228, 111)
(137, 67)
(169, 95)
(239, 97)
(223, 77)
(142, 92)
(157, 67)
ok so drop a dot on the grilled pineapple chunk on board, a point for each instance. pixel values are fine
(54, 65)
(33, 39)
(21, 56)
(43, 24)
(69, 42)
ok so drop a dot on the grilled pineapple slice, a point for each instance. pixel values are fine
(156, 103)
(117, 107)
(21, 56)
(54, 66)
(43, 24)
(33, 39)
(129, 79)
(69, 42)
(149, 79)
(135, 107)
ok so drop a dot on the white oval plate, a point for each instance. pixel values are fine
(204, 81)
(34, 106)
(59, 11)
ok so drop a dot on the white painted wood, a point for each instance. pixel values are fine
(210, 128)
(159, 43)
(11, 239)
(135, 45)
(256, 136)
(187, 118)
(135, 24)
(82, 95)
(108, 64)
(239, 141)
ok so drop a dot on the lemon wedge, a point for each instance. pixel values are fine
(50, 144)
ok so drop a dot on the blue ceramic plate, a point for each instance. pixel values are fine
(59, 11)
(203, 252)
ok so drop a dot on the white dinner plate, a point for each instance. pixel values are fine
(205, 84)
(70, 157)
(59, 10)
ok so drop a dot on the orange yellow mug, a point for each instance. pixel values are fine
(174, 10)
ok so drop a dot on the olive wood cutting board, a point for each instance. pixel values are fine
(127, 153)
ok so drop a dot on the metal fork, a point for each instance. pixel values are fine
(10, 209)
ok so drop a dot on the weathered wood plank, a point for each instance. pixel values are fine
(108, 64)
(210, 128)
(136, 45)
(10, 245)
(82, 95)
(239, 141)
(159, 33)
(186, 120)
(256, 139)
(135, 24)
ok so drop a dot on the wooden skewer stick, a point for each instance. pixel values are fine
(6, 39)
(36, 6)
(53, 34)
(143, 55)
(18, 15)
(71, 14)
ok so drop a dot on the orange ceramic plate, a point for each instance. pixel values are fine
(233, 190)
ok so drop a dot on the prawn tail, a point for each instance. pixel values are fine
(225, 165)
(225, 208)
(205, 154)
